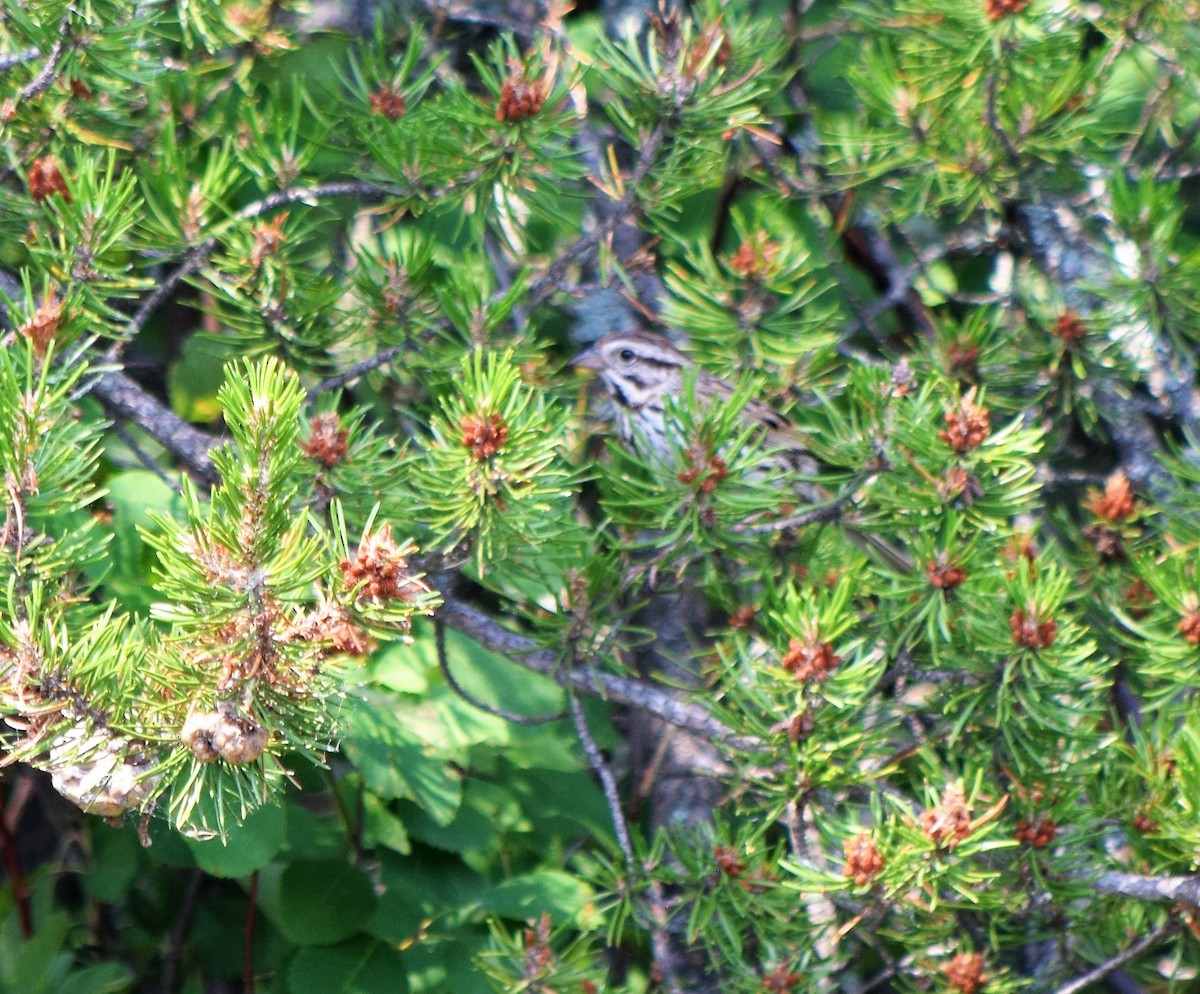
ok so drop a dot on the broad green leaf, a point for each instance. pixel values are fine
(428, 886)
(103, 978)
(117, 858)
(359, 966)
(250, 846)
(524, 898)
(394, 763)
(383, 827)
(324, 901)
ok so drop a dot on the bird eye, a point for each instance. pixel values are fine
(626, 355)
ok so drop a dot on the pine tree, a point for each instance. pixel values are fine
(330, 583)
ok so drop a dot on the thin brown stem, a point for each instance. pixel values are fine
(179, 930)
(16, 874)
(248, 935)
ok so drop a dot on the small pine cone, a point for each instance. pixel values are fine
(965, 972)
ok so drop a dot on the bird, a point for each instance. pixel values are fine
(644, 373)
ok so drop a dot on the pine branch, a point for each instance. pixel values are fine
(658, 701)
(124, 399)
(552, 278)
(16, 58)
(1054, 238)
(195, 256)
(49, 71)
(1170, 890)
(1109, 966)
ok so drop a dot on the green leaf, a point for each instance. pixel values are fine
(398, 667)
(135, 492)
(360, 966)
(383, 827)
(117, 859)
(394, 763)
(104, 978)
(471, 829)
(131, 496)
(428, 886)
(249, 847)
(561, 895)
(40, 962)
(324, 901)
(195, 380)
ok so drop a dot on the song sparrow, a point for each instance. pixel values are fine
(642, 370)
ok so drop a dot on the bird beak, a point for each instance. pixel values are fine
(588, 359)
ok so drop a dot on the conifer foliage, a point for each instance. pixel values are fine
(346, 644)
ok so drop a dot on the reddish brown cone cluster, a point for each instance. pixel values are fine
(329, 623)
(268, 238)
(1070, 327)
(949, 820)
(742, 618)
(965, 972)
(328, 443)
(1031, 631)
(520, 98)
(1137, 598)
(810, 660)
(1116, 503)
(780, 980)
(755, 256)
(726, 858)
(863, 859)
(960, 488)
(539, 956)
(1189, 626)
(962, 360)
(46, 179)
(380, 566)
(967, 426)
(1144, 823)
(484, 435)
(704, 470)
(43, 325)
(1036, 834)
(943, 574)
(389, 102)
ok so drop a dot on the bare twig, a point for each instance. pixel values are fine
(16, 58)
(993, 121)
(608, 782)
(46, 76)
(195, 256)
(144, 457)
(659, 701)
(821, 513)
(352, 373)
(123, 398)
(1111, 965)
(1169, 890)
(183, 919)
(661, 941)
(552, 278)
(439, 637)
(829, 511)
